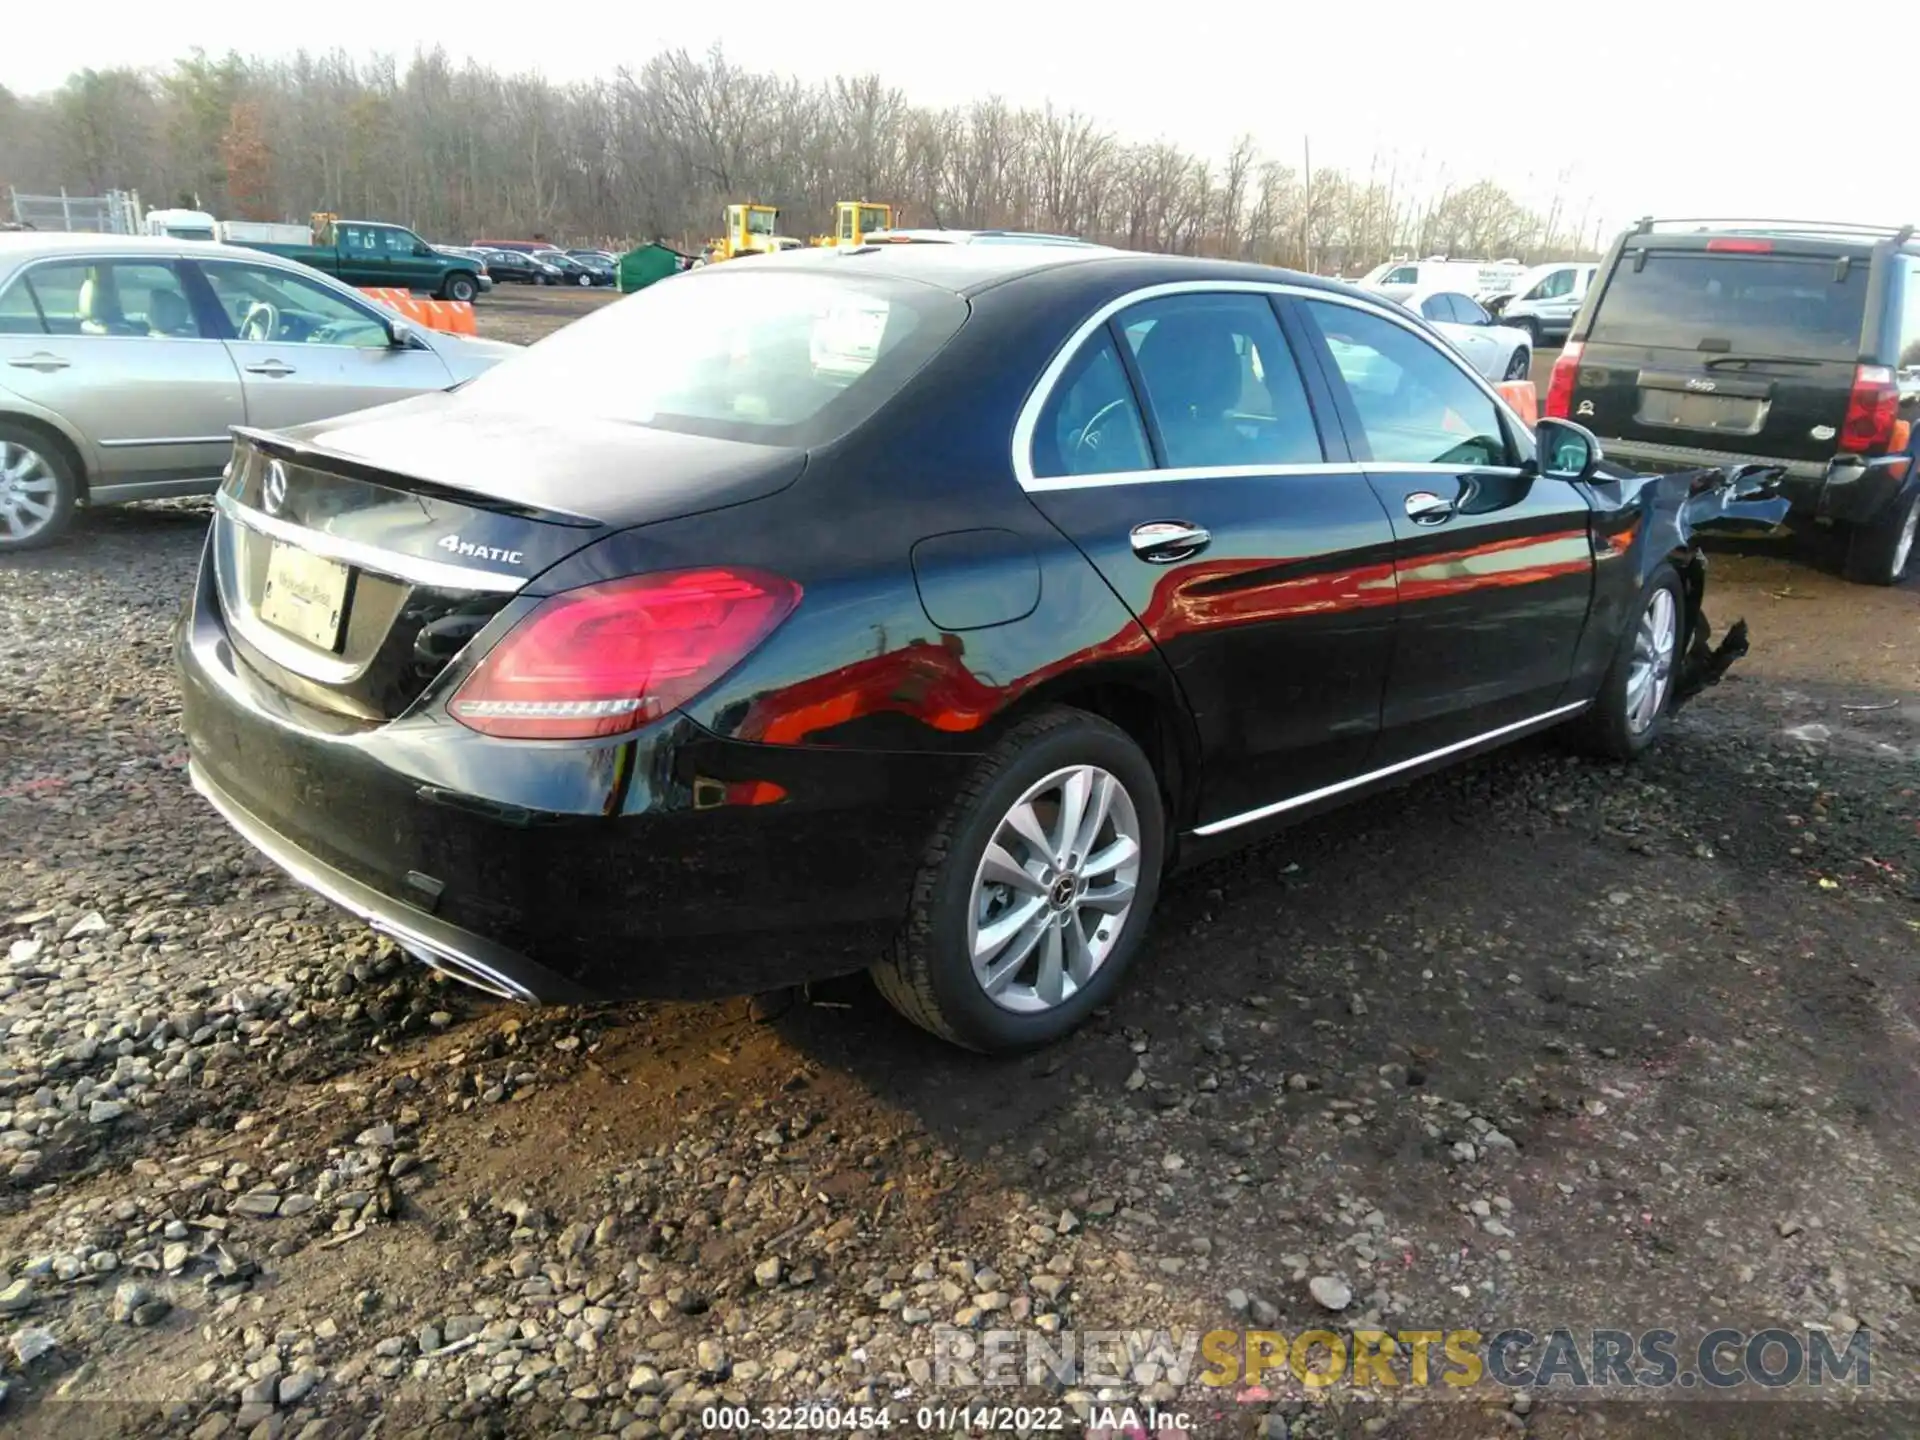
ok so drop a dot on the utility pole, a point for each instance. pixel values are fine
(1306, 208)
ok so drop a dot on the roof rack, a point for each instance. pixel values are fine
(1899, 234)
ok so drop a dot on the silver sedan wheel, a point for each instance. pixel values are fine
(29, 492)
(1652, 669)
(1053, 891)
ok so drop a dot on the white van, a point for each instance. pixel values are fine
(179, 224)
(1399, 278)
(1546, 299)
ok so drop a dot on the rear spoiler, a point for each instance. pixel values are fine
(316, 457)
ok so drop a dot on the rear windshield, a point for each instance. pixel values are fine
(1750, 305)
(737, 351)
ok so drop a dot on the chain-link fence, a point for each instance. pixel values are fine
(115, 213)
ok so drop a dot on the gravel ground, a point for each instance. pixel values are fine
(1535, 1043)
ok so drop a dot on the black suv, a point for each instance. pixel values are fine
(1707, 341)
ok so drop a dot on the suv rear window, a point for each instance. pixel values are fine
(736, 353)
(1749, 305)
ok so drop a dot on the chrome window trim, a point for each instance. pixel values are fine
(1294, 802)
(165, 439)
(413, 571)
(1029, 418)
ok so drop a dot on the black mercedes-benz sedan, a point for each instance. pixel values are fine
(907, 607)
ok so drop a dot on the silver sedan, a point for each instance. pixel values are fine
(125, 360)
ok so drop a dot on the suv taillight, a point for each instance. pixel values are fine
(1871, 410)
(1560, 384)
(606, 658)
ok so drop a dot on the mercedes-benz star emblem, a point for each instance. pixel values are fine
(273, 494)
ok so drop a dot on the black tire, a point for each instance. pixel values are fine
(1606, 729)
(461, 287)
(1521, 365)
(1881, 552)
(928, 974)
(1531, 326)
(29, 458)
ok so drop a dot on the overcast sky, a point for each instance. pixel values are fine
(1674, 106)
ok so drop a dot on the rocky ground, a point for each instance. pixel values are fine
(1536, 1043)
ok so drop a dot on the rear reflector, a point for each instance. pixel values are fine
(607, 658)
(1741, 247)
(1872, 409)
(1560, 384)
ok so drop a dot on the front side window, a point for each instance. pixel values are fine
(1553, 286)
(1416, 406)
(1403, 275)
(1221, 381)
(737, 352)
(106, 297)
(1091, 424)
(262, 303)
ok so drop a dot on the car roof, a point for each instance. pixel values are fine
(969, 269)
(19, 246)
(1824, 236)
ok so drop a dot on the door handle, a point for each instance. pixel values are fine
(1161, 542)
(41, 361)
(1426, 508)
(270, 367)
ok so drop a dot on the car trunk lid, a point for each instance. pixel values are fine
(1748, 353)
(356, 559)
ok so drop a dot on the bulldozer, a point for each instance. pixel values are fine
(853, 220)
(751, 230)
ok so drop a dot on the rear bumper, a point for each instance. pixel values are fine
(1829, 490)
(564, 872)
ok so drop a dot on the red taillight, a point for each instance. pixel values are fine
(1872, 409)
(1741, 247)
(606, 658)
(1560, 383)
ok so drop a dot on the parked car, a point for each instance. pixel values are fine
(1791, 343)
(1496, 350)
(578, 272)
(1544, 302)
(667, 685)
(524, 247)
(125, 361)
(605, 257)
(365, 252)
(520, 267)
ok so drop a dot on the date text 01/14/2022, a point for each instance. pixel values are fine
(941, 1419)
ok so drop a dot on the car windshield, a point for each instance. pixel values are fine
(1795, 307)
(774, 357)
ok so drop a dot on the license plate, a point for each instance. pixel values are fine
(305, 595)
(1726, 414)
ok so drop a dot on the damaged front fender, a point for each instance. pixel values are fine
(1663, 515)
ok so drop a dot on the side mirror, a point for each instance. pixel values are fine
(401, 333)
(422, 249)
(1567, 451)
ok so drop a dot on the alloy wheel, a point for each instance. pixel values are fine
(1053, 889)
(29, 492)
(1651, 670)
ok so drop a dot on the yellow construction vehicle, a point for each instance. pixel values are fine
(751, 230)
(853, 220)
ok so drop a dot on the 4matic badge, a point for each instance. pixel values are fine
(453, 544)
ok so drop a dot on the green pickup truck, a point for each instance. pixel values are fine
(368, 253)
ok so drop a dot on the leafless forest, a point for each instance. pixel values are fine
(654, 151)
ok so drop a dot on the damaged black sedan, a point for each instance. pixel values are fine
(912, 608)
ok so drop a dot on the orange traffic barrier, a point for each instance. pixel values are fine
(1525, 400)
(451, 316)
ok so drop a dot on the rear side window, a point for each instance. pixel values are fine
(1221, 381)
(1760, 306)
(1091, 424)
(1416, 406)
(768, 356)
(1910, 323)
